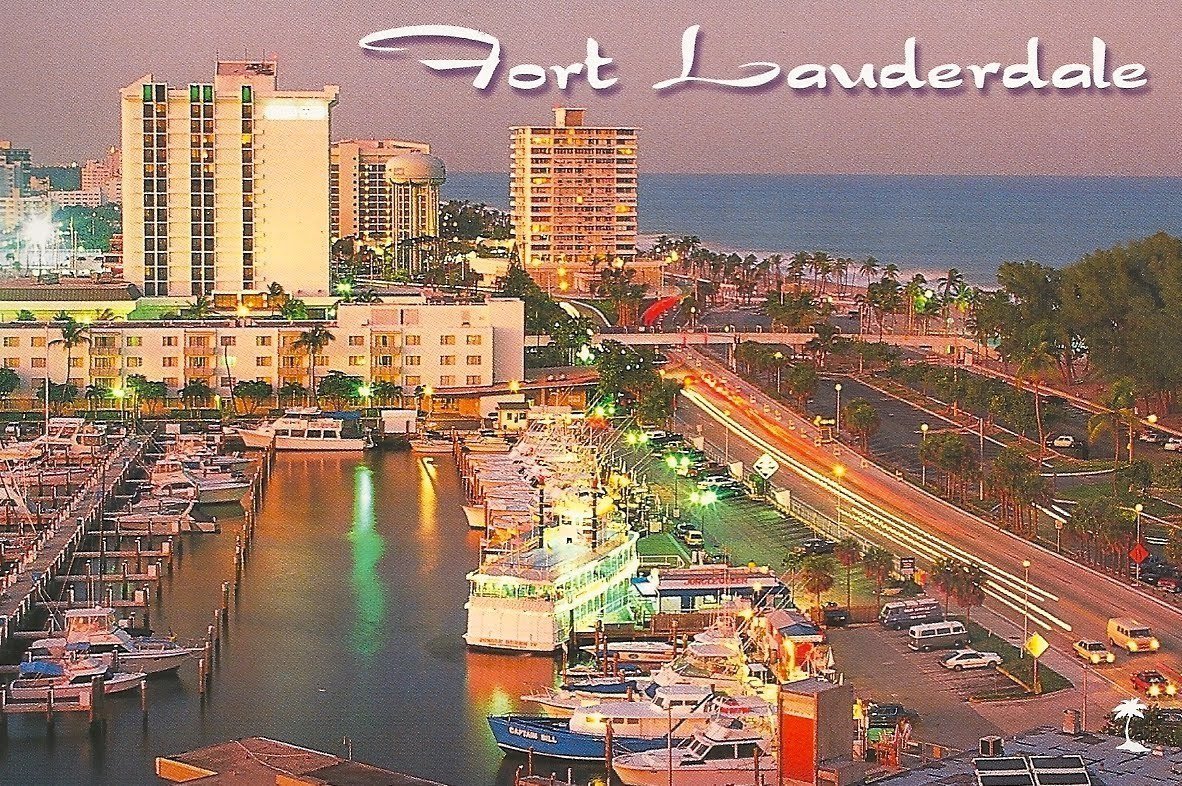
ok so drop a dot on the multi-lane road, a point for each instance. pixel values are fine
(1054, 596)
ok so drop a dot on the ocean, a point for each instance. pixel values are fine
(926, 223)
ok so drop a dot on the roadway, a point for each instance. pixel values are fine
(1063, 600)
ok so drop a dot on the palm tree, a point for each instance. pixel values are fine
(275, 296)
(195, 391)
(816, 575)
(292, 390)
(73, 335)
(869, 269)
(1034, 361)
(848, 551)
(877, 564)
(797, 264)
(201, 308)
(313, 341)
(970, 589)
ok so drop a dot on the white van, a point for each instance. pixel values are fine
(947, 635)
(1131, 636)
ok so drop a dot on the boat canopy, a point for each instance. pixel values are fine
(41, 668)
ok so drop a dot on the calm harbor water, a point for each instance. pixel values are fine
(918, 222)
(349, 624)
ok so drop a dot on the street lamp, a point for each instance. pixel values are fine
(678, 463)
(837, 419)
(1025, 606)
(1138, 508)
(923, 464)
(779, 367)
(839, 473)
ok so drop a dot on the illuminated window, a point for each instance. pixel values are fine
(474, 360)
(447, 360)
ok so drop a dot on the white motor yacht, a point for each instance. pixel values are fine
(303, 429)
(95, 633)
(68, 679)
(725, 753)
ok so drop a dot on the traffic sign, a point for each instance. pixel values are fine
(907, 566)
(1139, 553)
(1036, 645)
(766, 466)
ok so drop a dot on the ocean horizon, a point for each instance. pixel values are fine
(926, 223)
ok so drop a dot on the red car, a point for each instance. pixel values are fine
(1154, 684)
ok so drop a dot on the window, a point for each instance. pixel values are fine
(447, 380)
(198, 361)
(198, 341)
(37, 341)
(290, 361)
(474, 360)
(168, 362)
(12, 341)
(172, 382)
(101, 361)
(135, 362)
(385, 360)
(357, 341)
(168, 341)
(447, 360)
(357, 360)
(413, 360)
(262, 341)
(37, 363)
(412, 381)
(229, 341)
(75, 362)
(447, 341)
(475, 341)
(12, 362)
(135, 341)
(414, 341)
(473, 379)
(262, 360)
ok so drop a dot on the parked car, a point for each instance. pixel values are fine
(1152, 437)
(885, 716)
(1093, 651)
(835, 616)
(1173, 443)
(970, 659)
(1062, 441)
(1154, 684)
(693, 538)
(814, 546)
(1169, 584)
(899, 614)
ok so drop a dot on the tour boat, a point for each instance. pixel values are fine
(725, 753)
(96, 633)
(531, 599)
(676, 711)
(303, 430)
(67, 679)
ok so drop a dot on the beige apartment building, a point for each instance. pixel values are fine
(225, 184)
(572, 194)
(359, 193)
(407, 340)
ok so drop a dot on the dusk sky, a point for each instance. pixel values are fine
(67, 61)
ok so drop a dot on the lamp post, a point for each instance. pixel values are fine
(1138, 508)
(922, 463)
(779, 367)
(726, 436)
(839, 473)
(837, 410)
(1025, 606)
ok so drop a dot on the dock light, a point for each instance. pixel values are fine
(365, 391)
(428, 390)
(839, 471)
(243, 310)
(118, 392)
(514, 386)
(344, 288)
(1152, 419)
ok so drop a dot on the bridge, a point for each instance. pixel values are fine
(932, 344)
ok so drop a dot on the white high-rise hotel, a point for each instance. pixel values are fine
(225, 184)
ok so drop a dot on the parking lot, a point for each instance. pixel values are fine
(884, 669)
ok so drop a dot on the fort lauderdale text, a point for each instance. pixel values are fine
(598, 70)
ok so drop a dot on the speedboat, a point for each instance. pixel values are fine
(676, 711)
(725, 753)
(68, 679)
(171, 479)
(96, 634)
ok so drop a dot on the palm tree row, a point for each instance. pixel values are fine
(962, 582)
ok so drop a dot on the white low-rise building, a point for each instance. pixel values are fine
(410, 341)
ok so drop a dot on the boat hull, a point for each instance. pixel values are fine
(25, 690)
(552, 737)
(220, 495)
(426, 448)
(743, 774)
(304, 443)
(256, 439)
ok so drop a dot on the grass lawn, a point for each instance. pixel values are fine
(661, 545)
(1017, 668)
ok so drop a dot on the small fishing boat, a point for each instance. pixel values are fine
(725, 753)
(68, 679)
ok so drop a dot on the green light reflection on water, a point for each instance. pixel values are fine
(368, 548)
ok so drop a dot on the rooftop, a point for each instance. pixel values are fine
(66, 289)
(254, 761)
(1105, 764)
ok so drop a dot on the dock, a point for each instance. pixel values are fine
(22, 588)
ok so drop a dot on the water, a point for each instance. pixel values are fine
(349, 625)
(928, 223)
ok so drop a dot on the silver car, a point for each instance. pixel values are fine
(971, 659)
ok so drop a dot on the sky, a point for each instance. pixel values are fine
(65, 62)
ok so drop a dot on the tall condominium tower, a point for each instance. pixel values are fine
(225, 184)
(572, 193)
(359, 191)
